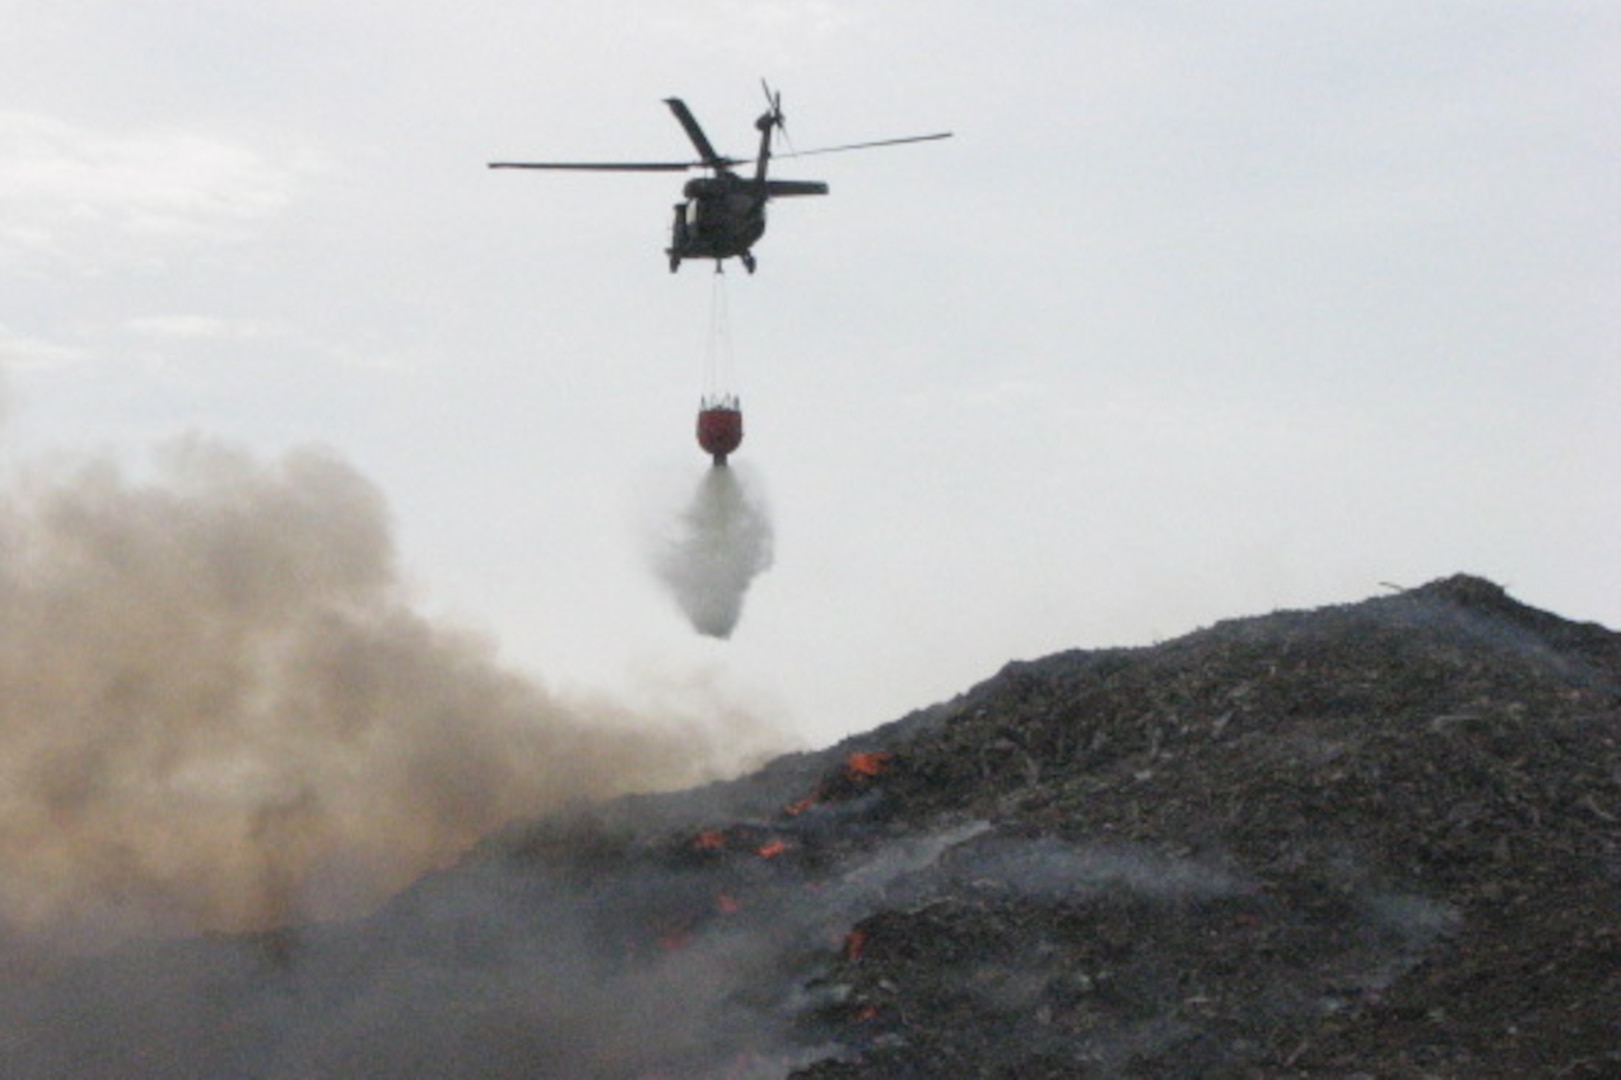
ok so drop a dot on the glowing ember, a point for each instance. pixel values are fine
(868, 763)
(773, 848)
(709, 840)
(854, 942)
(727, 904)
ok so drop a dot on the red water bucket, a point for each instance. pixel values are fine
(720, 430)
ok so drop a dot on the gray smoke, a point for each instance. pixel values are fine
(722, 542)
(219, 709)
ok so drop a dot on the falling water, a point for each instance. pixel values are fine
(721, 543)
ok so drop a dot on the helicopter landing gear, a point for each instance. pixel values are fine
(675, 262)
(748, 261)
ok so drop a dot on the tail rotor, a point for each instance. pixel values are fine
(773, 116)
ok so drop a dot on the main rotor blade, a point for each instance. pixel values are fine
(602, 166)
(689, 123)
(865, 145)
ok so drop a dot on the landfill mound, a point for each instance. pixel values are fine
(1410, 809)
(1379, 839)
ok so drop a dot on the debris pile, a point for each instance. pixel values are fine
(1397, 826)
(1382, 839)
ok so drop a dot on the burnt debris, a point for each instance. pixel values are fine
(1380, 839)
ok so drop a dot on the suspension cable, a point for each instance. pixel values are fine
(718, 354)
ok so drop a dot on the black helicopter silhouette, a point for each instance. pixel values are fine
(722, 215)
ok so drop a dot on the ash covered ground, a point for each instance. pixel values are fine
(1376, 840)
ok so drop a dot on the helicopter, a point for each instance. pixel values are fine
(722, 215)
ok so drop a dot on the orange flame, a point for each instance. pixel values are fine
(772, 848)
(867, 763)
(794, 809)
(709, 840)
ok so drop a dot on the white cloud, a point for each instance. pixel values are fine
(192, 328)
(19, 351)
(96, 198)
(778, 28)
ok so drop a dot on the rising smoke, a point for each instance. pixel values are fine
(219, 709)
(722, 542)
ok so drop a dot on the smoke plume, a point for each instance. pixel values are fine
(218, 708)
(722, 543)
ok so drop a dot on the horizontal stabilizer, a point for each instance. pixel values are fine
(795, 187)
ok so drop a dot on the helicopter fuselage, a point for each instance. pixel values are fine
(723, 215)
(720, 217)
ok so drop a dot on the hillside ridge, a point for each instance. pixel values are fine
(1374, 839)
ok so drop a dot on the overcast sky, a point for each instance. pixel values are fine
(1209, 308)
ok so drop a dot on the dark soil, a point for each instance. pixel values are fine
(1416, 802)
